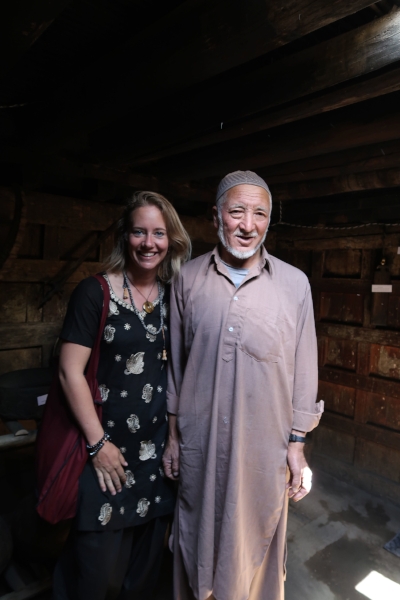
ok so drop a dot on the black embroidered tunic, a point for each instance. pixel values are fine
(132, 378)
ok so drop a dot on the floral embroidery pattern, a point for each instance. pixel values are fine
(151, 330)
(159, 355)
(157, 499)
(122, 510)
(104, 391)
(122, 449)
(147, 393)
(153, 477)
(130, 479)
(143, 507)
(118, 357)
(112, 309)
(147, 450)
(109, 332)
(133, 423)
(127, 326)
(110, 423)
(105, 513)
(161, 471)
(154, 419)
(159, 389)
(135, 364)
(124, 394)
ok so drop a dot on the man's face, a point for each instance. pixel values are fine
(243, 220)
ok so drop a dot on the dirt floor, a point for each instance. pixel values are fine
(335, 540)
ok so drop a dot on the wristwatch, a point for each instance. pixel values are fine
(296, 438)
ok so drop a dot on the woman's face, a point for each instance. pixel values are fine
(148, 240)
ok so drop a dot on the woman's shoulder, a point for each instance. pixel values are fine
(88, 291)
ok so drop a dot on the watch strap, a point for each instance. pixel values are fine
(296, 438)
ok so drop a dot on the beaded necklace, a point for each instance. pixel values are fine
(150, 329)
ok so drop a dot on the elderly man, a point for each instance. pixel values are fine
(241, 396)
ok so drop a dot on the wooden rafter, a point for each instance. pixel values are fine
(230, 110)
(199, 40)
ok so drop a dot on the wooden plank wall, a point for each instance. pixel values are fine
(57, 231)
(359, 377)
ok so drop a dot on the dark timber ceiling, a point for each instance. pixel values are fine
(101, 96)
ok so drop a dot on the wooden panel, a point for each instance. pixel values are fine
(385, 361)
(28, 334)
(32, 245)
(383, 410)
(49, 209)
(386, 437)
(379, 459)
(54, 310)
(300, 259)
(72, 244)
(50, 243)
(368, 384)
(19, 302)
(322, 345)
(333, 443)
(34, 297)
(348, 308)
(341, 353)
(359, 334)
(41, 270)
(337, 398)
(335, 240)
(393, 319)
(13, 302)
(342, 263)
(23, 358)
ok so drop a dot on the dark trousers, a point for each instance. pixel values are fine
(111, 565)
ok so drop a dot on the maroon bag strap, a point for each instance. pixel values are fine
(93, 363)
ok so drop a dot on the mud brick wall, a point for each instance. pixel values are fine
(359, 364)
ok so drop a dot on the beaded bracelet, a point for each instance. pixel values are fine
(93, 450)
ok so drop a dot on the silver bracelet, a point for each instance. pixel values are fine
(93, 450)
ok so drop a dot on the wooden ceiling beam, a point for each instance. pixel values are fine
(145, 182)
(347, 162)
(226, 106)
(199, 40)
(387, 178)
(312, 139)
(22, 23)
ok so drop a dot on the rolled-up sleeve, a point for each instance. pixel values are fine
(177, 363)
(306, 410)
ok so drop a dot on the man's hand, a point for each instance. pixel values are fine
(108, 463)
(300, 480)
(170, 459)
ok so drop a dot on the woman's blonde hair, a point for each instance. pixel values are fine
(179, 242)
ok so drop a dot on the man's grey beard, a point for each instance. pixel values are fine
(237, 253)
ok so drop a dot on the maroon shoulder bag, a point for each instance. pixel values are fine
(61, 452)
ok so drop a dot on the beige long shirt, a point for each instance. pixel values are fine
(243, 374)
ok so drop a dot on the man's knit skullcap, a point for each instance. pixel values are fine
(238, 178)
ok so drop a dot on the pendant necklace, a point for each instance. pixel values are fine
(149, 328)
(147, 305)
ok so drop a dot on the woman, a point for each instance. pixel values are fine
(115, 548)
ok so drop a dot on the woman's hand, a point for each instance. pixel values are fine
(108, 463)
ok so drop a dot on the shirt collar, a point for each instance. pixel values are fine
(265, 261)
